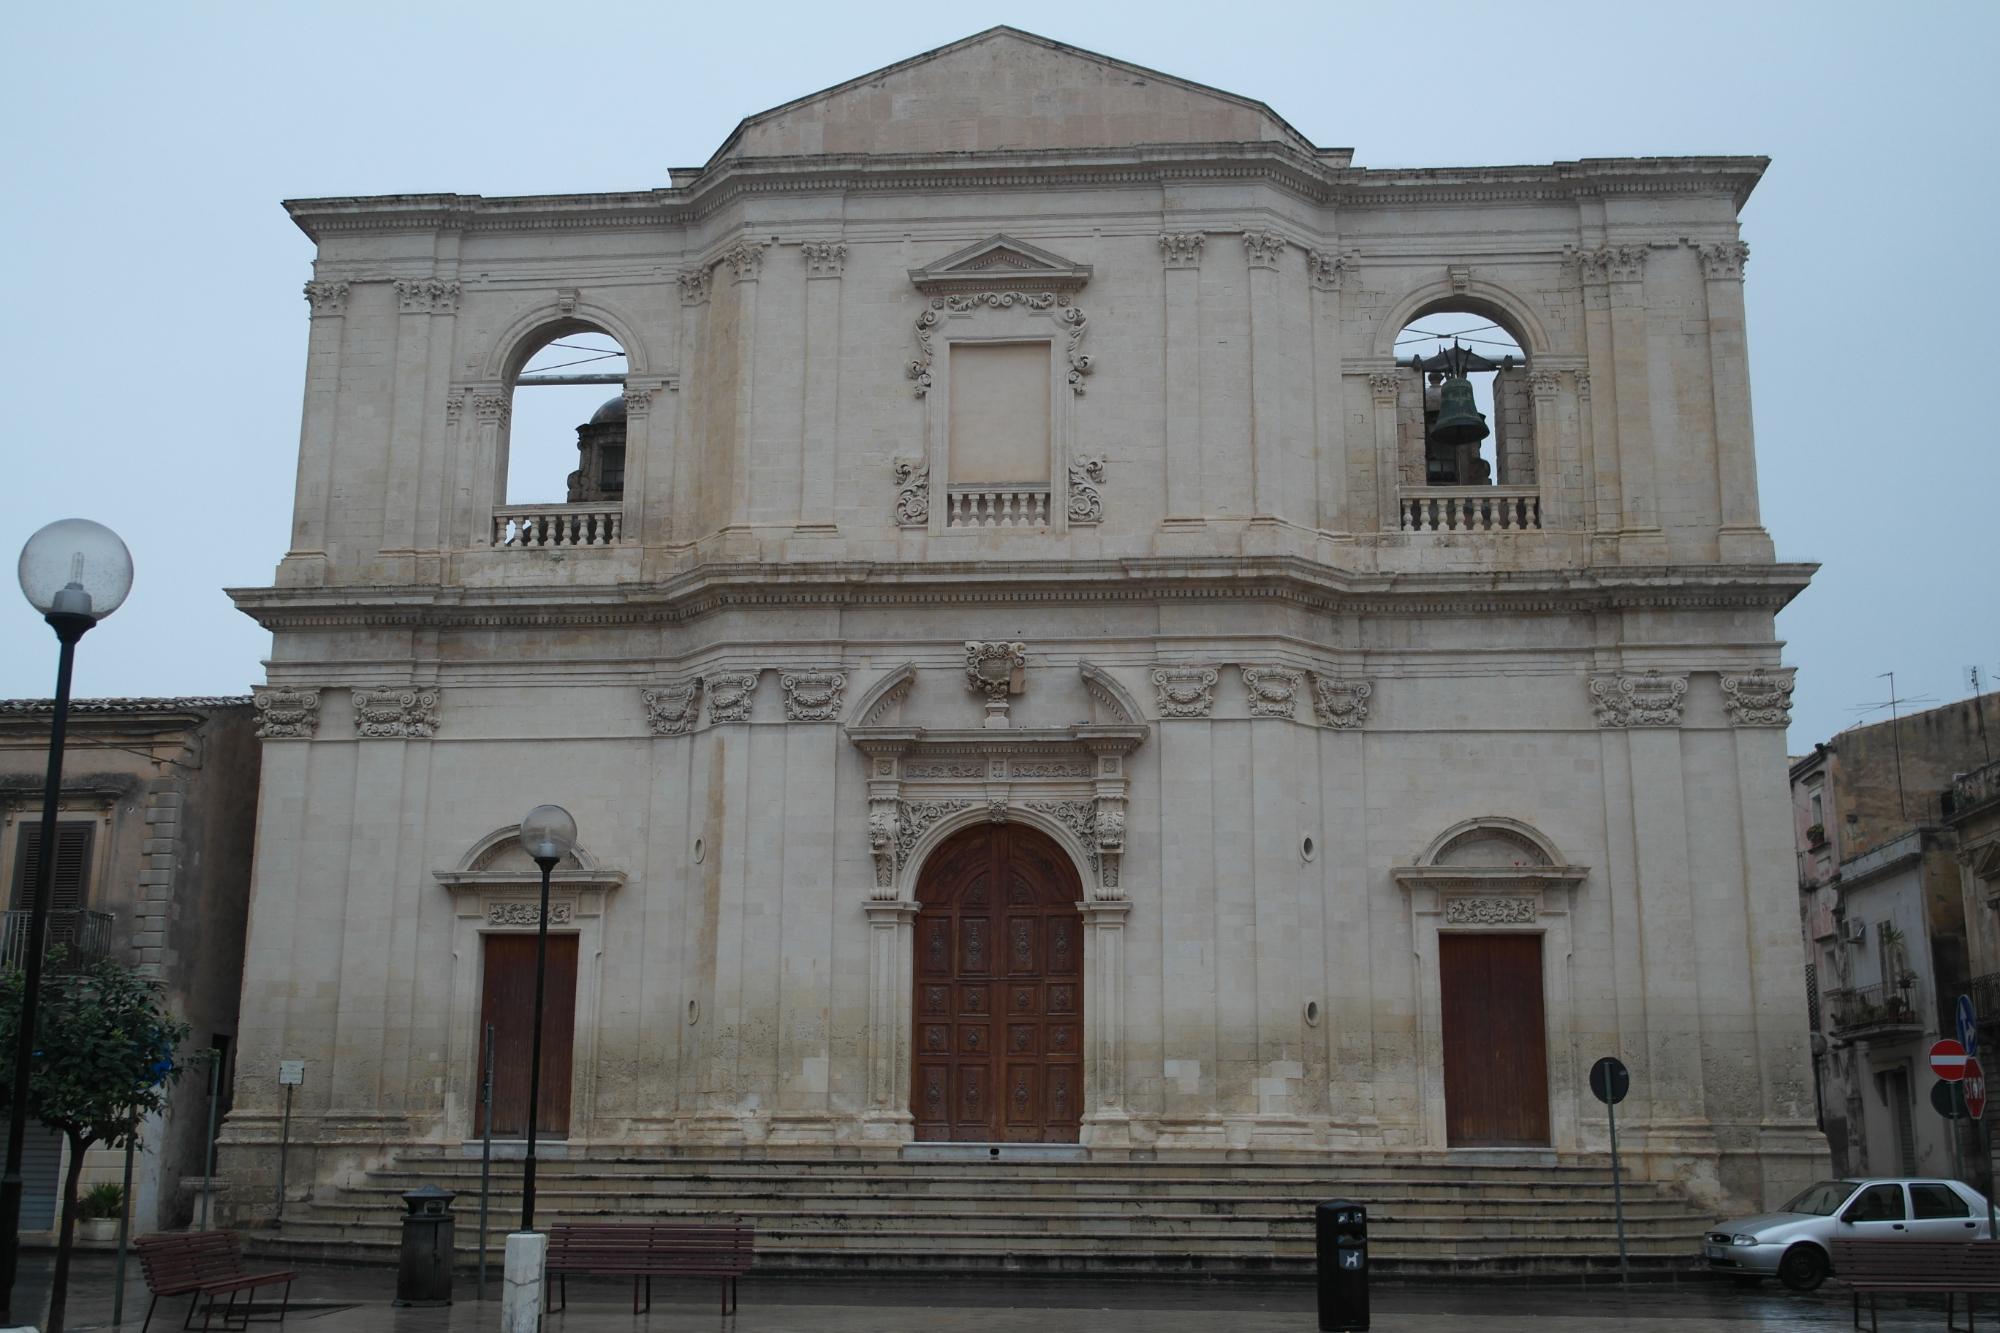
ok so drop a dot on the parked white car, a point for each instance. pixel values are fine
(1793, 1243)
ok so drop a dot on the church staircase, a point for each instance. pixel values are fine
(1428, 1217)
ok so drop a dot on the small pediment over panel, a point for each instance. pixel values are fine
(1003, 263)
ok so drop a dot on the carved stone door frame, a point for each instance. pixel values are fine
(492, 896)
(1533, 896)
(926, 784)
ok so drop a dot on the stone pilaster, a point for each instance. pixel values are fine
(825, 262)
(1181, 253)
(1742, 536)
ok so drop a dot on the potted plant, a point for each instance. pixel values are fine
(1816, 835)
(97, 1213)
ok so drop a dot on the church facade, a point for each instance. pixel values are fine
(1027, 672)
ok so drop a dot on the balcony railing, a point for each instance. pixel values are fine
(519, 527)
(997, 507)
(1872, 1013)
(1471, 509)
(83, 937)
(1970, 789)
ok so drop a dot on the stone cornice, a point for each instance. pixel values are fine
(719, 586)
(1317, 179)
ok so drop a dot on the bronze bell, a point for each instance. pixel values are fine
(1459, 421)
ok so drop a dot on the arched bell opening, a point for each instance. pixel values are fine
(1469, 411)
(566, 424)
(998, 1041)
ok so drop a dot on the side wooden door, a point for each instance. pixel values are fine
(1496, 1066)
(508, 1003)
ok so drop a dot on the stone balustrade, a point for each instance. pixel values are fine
(997, 507)
(1471, 509)
(520, 526)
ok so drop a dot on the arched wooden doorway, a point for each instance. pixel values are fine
(998, 1048)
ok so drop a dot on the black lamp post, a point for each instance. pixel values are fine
(75, 572)
(548, 833)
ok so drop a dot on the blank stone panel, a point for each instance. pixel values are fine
(1000, 414)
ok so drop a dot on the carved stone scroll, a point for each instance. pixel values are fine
(913, 492)
(1085, 475)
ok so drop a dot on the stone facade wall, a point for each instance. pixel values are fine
(1233, 638)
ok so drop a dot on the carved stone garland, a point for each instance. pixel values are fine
(1273, 690)
(1341, 704)
(394, 712)
(1186, 691)
(671, 709)
(1759, 698)
(730, 694)
(812, 696)
(1651, 700)
(285, 713)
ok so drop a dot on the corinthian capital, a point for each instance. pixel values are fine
(1724, 261)
(326, 298)
(1181, 249)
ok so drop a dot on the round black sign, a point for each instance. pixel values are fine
(1948, 1100)
(1610, 1080)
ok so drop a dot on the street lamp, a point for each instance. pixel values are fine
(548, 833)
(75, 572)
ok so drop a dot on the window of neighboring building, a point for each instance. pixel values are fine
(72, 865)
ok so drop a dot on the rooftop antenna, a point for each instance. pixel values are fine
(1979, 710)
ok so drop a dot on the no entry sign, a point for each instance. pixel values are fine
(1948, 1060)
(1975, 1089)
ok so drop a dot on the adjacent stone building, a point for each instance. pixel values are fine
(153, 854)
(1024, 686)
(1890, 929)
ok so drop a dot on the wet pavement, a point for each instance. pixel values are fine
(358, 1300)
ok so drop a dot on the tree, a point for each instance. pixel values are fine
(104, 1062)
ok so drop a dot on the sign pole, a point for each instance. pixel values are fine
(284, 1144)
(485, 1154)
(1610, 1080)
(1618, 1194)
(124, 1237)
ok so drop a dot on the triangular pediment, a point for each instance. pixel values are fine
(1001, 262)
(1004, 89)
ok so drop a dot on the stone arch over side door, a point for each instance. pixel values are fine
(1494, 876)
(998, 1001)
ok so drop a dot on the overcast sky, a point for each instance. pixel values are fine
(155, 337)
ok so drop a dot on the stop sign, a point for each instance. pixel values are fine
(1975, 1090)
(1948, 1060)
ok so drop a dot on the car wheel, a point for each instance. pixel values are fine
(1803, 1268)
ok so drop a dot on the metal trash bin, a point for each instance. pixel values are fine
(1340, 1232)
(424, 1276)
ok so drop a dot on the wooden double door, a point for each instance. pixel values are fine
(998, 1049)
(1496, 1065)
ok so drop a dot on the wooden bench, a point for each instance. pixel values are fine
(643, 1251)
(206, 1263)
(1950, 1268)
